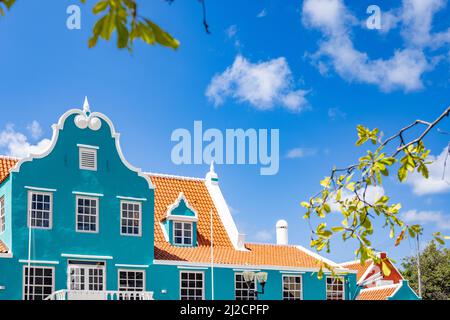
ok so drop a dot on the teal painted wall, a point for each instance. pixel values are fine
(5, 191)
(405, 293)
(167, 277)
(60, 170)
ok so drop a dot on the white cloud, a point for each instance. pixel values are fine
(439, 176)
(403, 70)
(437, 218)
(334, 113)
(263, 85)
(262, 13)
(16, 144)
(371, 195)
(35, 130)
(300, 153)
(231, 31)
(263, 235)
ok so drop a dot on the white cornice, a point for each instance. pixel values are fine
(171, 176)
(176, 204)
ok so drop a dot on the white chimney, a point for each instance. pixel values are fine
(282, 232)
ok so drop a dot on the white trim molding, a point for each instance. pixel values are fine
(40, 189)
(294, 273)
(79, 145)
(131, 198)
(120, 265)
(38, 261)
(175, 205)
(222, 209)
(85, 256)
(191, 268)
(88, 194)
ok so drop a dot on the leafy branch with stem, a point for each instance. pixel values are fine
(347, 189)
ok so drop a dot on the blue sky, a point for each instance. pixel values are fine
(327, 74)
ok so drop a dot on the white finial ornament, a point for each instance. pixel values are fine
(211, 176)
(86, 107)
(86, 119)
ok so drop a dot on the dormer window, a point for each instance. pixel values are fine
(182, 233)
(181, 223)
(88, 157)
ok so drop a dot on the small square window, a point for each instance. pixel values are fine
(40, 210)
(182, 233)
(192, 289)
(38, 282)
(88, 159)
(244, 291)
(335, 288)
(87, 214)
(131, 218)
(292, 287)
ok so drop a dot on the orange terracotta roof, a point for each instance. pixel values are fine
(167, 190)
(356, 265)
(3, 247)
(6, 164)
(377, 293)
(257, 255)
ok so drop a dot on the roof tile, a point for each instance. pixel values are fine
(3, 247)
(166, 192)
(377, 293)
(356, 265)
(6, 164)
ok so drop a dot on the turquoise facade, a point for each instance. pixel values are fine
(405, 293)
(58, 173)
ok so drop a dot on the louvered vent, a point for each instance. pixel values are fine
(88, 159)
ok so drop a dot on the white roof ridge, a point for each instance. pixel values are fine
(164, 175)
(382, 287)
(9, 157)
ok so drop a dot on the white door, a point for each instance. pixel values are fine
(86, 280)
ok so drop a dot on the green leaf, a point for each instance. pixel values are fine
(122, 36)
(325, 182)
(146, 33)
(305, 204)
(162, 37)
(385, 268)
(100, 6)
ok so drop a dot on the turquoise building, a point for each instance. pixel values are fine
(79, 222)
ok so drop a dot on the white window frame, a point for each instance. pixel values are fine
(195, 288)
(87, 150)
(35, 267)
(2, 215)
(127, 289)
(50, 216)
(183, 237)
(289, 290)
(139, 234)
(333, 291)
(97, 224)
(248, 296)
